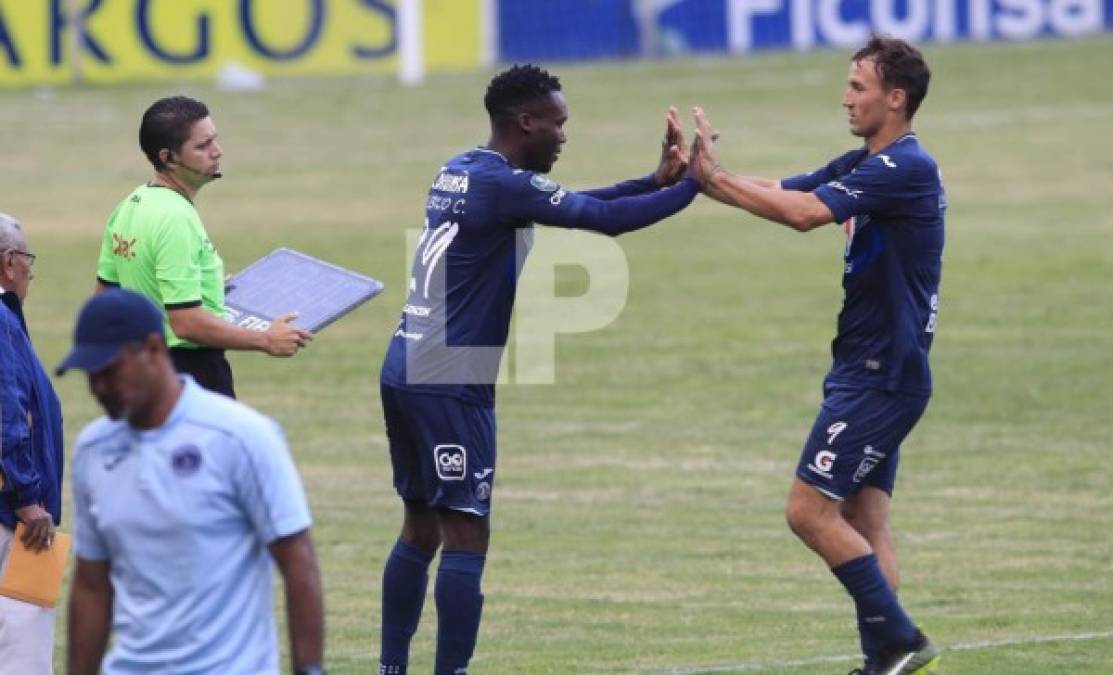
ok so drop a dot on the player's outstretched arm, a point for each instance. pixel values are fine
(305, 606)
(801, 211)
(532, 197)
(89, 617)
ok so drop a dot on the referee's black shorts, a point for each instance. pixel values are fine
(208, 367)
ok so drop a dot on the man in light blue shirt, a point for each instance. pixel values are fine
(182, 498)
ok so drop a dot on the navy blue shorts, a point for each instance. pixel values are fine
(856, 439)
(442, 450)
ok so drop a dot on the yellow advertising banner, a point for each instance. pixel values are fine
(136, 40)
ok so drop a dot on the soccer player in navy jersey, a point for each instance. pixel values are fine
(438, 375)
(888, 195)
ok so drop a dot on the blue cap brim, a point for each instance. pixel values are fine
(90, 358)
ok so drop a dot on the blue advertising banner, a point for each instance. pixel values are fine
(581, 29)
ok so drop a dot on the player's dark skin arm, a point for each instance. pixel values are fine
(90, 617)
(802, 211)
(305, 606)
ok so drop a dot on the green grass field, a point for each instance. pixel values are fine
(638, 520)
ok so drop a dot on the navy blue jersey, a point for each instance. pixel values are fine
(479, 216)
(891, 205)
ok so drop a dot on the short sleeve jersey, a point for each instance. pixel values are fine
(183, 515)
(891, 205)
(155, 244)
(479, 215)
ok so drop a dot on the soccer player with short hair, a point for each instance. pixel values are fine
(154, 243)
(438, 375)
(889, 197)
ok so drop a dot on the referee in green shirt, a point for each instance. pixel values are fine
(155, 243)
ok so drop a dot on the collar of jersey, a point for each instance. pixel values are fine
(496, 153)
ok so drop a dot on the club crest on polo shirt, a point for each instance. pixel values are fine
(186, 460)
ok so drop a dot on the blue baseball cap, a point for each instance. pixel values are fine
(109, 321)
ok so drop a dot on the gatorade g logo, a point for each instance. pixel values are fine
(451, 461)
(823, 463)
(824, 460)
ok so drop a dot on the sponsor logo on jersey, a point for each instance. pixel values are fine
(823, 463)
(543, 184)
(451, 462)
(114, 461)
(871, 459)
(850, 191)
(451, 182)
(887, 161)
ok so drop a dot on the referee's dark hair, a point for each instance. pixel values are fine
(899, 66)
(166, 124)
(516, 87)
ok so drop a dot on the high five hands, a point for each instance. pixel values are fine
(674, 153)
(703, 161)
(699, 161)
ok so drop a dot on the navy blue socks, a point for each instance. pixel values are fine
(404, 581)
(881, 620)
(459, 606)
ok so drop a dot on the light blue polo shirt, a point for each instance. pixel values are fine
(183, 514)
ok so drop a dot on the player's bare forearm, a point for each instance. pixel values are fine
(305, 607)
(90, 617)
(801, 211)
(761, 182)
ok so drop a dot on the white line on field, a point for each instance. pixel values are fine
(751, 666)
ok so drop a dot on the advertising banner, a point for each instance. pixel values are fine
(137, 40)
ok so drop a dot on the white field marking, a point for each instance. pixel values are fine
(751, 666)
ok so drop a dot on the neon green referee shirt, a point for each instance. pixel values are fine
(155, 244)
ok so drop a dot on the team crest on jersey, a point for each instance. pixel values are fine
(483, 491)
(543, 184)
(186, 460)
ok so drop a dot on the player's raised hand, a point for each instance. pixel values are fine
(674, 153)
(703, 161)
(285, 339)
